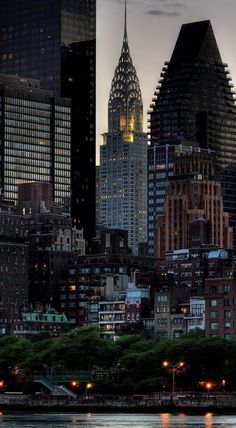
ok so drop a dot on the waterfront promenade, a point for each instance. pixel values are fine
(178, 402)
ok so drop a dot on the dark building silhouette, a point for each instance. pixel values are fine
(114, 241)
(54, 41)
(194, 103)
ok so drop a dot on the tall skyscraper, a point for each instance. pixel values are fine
(55, 41)
(35, 139)
(123, 155)
(194, 105)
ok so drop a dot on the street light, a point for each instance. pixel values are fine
(89, 386)
(74, 383)
(173, 368)
(209, 386)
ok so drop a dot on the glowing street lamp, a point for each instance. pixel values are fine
(89, 386)
(173, 368)
(74, 384)
(209, 386)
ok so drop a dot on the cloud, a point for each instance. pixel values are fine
(156, 12)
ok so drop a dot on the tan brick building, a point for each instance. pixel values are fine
(193, 207)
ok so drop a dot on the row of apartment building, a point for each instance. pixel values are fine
(45, 274)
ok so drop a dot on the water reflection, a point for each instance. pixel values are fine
(208, 420)
(118, 420)
(165, 420)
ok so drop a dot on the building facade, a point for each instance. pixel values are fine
(170, 309)
(193, 212)
(35, 141)
(123, 155)
(161, 161)
(194, 103)
(30, 324)
(14, 259)
(54, 41)
(96, 278)
(220, 297)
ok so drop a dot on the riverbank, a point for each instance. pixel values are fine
(178, 404)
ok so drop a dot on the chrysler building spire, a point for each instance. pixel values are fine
(125, 29)
(125, 107)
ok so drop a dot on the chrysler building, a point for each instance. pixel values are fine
(123, 155)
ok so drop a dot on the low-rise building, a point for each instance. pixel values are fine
(112, 315)
(170, 310)
(30, 324)
(94, 278)
(220, 297)
(137, 303)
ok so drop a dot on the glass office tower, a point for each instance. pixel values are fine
(54, 41)
(35, 138)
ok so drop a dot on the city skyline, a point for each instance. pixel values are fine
(162, 20)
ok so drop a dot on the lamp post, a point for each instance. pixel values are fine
(173, 368)
(89, 387)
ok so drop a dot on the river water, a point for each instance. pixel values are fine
(115, 420)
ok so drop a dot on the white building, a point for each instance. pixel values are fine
(196, 317)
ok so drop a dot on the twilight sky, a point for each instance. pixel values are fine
(153, 27)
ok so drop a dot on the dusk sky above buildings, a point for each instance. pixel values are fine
(153, 27)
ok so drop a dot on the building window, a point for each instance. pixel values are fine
(178, 320)
(227, 324)
(227, 336)
(162, 309)
(177, 334)
(213, 302)
(214, 325)
(161, 321)
(227, 314)
(198, 309)
(162, 298)
(195, 322)
(227, 288)
(212, 314)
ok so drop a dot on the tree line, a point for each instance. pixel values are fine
(137, 359)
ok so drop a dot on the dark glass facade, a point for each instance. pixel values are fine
(54, 41)
(194, 103)
(35, 138)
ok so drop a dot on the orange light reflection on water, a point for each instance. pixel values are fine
(208, 420)
(165, 420)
